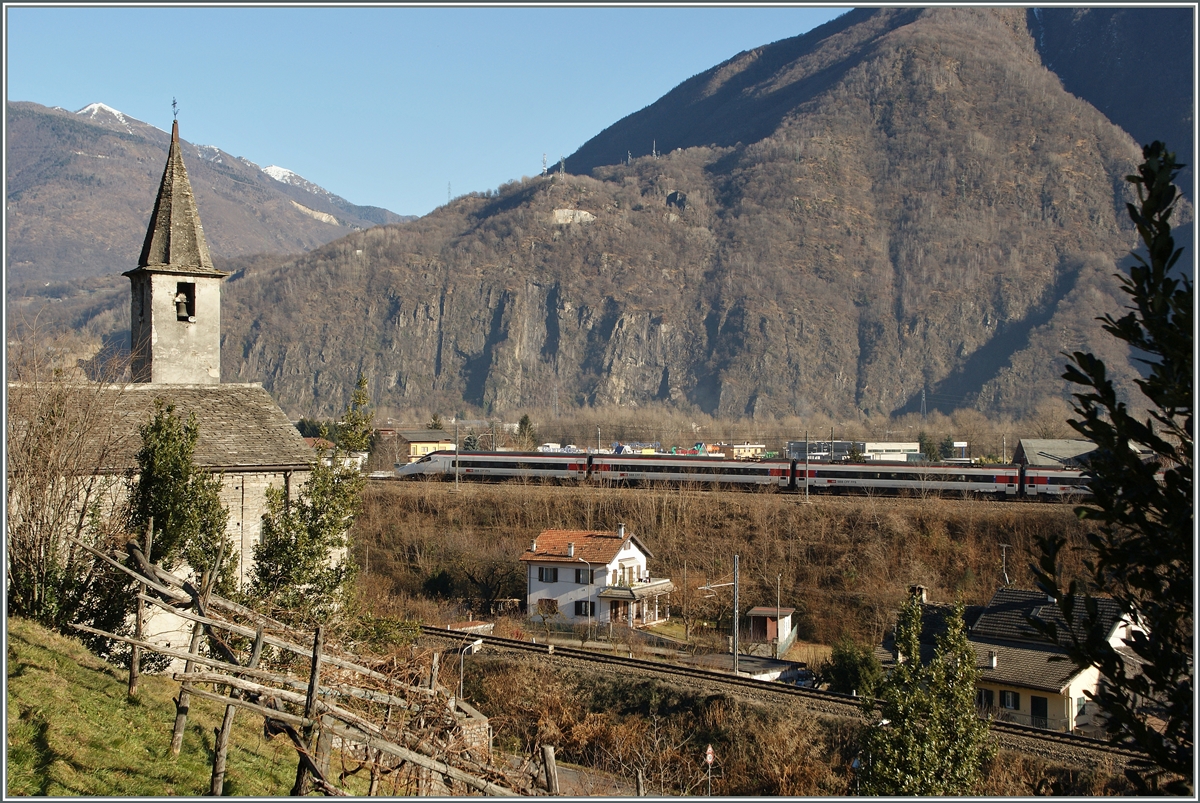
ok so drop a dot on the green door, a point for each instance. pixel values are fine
(1037, 711)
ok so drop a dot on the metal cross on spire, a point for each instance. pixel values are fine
(174, 108)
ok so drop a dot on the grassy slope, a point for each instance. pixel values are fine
(72, 730)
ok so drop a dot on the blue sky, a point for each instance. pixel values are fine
(384, 105)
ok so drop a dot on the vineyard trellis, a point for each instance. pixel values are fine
(387, 713)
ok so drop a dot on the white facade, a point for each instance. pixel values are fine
(580, 578)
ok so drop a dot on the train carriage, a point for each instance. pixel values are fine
(909, 478)
(498, 465)
(1001, 481)
(1054, 482)
(641, 469)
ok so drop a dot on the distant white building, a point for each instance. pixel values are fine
(835, 451)
(584, 576)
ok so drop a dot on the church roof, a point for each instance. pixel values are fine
(175, 240)
(241, 426)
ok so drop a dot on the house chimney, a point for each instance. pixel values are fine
(570, 550)
(533, 546)
(992, 659)
(918, 591)
(621, 531)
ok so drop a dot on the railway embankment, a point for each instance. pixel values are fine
(599, 687)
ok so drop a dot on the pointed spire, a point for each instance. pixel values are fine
(175, 239)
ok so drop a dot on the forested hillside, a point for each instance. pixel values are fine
(901, 201)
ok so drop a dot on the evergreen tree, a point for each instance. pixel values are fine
(190, 523)
(527, 436)
(435, 422)
(302, 569)
(852, 668)
(355, 429)
(1144, 548)
(925, 737)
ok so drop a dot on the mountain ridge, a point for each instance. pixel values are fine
(930, 214)
(80, 185)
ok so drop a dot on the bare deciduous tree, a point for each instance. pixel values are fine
(62, 431)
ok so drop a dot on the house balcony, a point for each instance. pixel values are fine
(1018, 718)
(639, 603)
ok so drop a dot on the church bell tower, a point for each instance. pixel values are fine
(175, 309)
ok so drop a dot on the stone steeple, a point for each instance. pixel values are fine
(175, 239)
(175, 309)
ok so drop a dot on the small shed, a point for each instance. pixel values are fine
(772, 625)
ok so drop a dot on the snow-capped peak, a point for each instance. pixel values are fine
(285, 176)
(93, 109)
(281, 174)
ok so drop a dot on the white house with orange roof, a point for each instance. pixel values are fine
(592, 577)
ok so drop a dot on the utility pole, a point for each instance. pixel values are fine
(597, 439)
(735, 614)
(806, 465)
(778, 579)
(922, 404)
(687, 630)
(456, 458)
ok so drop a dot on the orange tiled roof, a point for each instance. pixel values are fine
(593, 546)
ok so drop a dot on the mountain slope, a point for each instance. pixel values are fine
(932, 192)
(902, 202)
(80, 187)
(1100, 55)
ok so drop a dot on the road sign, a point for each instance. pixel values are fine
(708, 755)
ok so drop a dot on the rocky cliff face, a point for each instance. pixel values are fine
(931, 212)
(905, 201)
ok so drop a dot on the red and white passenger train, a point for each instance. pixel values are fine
(1000, 481)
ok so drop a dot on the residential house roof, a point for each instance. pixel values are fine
(592, 546)
(1033, 666)
(1052, 453)
(425, 435)
(1024, 657)
(1006, 617)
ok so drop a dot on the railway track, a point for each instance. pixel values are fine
(1064, 748)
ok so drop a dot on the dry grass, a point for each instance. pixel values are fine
(844, 563)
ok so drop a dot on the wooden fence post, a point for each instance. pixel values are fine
(433, 670)
(135, 655)
(181, 704)
(375, 768)
(300, 788)
(551, 769)
(221, 748)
